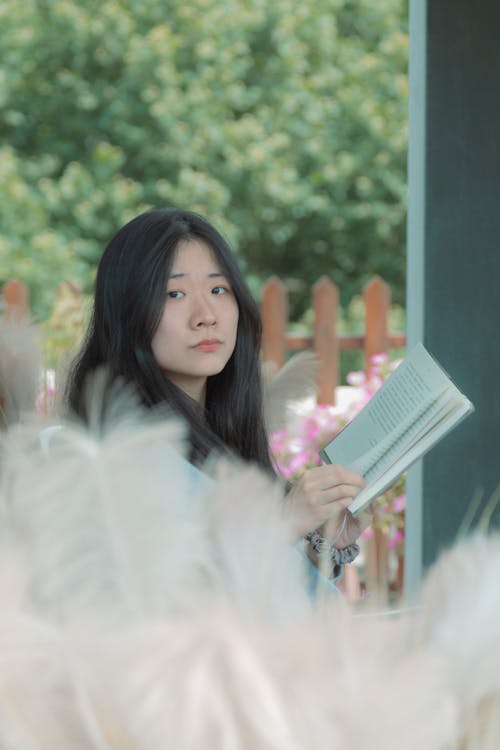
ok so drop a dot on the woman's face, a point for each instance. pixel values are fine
(197, 331)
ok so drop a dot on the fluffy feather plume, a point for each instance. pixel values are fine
(295, 381)
(460, 620)
(258, 568)
(144, 605)
(106, 512)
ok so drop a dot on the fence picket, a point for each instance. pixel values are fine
(274, 311)
(276, 342)
(16, 300)
(377, 297)
(326, 345)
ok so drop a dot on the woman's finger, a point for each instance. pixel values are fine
(331, 475)
(341, 494)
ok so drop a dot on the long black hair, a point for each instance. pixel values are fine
(129, 300)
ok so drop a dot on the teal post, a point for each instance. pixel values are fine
(454, 257)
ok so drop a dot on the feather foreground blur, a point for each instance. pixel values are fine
(294, 382)
(144, 605)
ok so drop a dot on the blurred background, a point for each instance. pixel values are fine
(284, 123)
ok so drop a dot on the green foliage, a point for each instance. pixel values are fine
(283, 123)
(64, 329)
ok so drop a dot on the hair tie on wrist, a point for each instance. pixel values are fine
(336, 557)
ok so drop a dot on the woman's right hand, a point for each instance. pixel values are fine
(320, 498)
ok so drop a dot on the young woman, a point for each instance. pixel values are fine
(173, 317)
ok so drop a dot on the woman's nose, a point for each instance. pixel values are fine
(203, 313)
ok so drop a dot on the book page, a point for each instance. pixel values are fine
(423, 424)
(447, 420)
(366, 463)
(405, 395)
(400, 400)
(414, 409)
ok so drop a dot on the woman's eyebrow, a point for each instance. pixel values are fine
(212, 275)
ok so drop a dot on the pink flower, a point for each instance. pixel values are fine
(395, 539)
(367, 533)
(299, 461)
(278, 441)
(375, 382)
(279, 435)
(312, 430)
(379, 359)
(356, 378)
(285, 471)
(399, 503)
(297, 444)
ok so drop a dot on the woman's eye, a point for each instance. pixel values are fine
(219, 290)
(175, 294)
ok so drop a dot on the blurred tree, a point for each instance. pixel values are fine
(285, 124)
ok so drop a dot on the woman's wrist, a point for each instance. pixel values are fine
(325, 548)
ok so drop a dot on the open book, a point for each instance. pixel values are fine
(416, 407)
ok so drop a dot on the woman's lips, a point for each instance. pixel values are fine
(208, 345)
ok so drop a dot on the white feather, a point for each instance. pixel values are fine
(144, 606)
(460, 620)
(295, 381)
(258, 567)
(107, 514)
(37, 710)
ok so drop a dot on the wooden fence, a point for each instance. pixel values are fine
(277, 342)
(325, 339)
